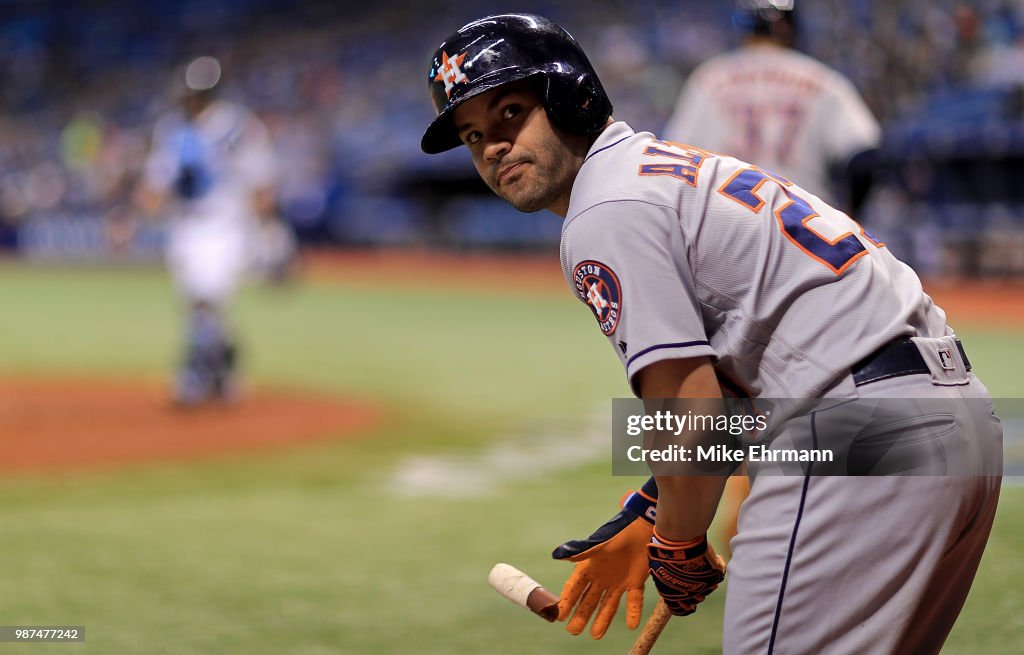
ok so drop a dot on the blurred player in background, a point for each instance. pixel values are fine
(778, 108)
(210, 171)
(768, 104)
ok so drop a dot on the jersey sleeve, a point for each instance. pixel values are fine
(855, 128)
(161, 166)
(256, 156)
(626, 260)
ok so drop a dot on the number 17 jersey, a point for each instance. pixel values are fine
(680, 252)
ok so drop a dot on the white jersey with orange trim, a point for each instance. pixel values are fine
(778, 108)
(680, 253)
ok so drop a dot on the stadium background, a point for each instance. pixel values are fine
(440, 402)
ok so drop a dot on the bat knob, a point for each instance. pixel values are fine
(524, 591)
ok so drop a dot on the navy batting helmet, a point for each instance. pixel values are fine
(500, 49)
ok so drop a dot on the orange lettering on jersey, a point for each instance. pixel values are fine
(794, 216)
(867, 235)
(689, 158)
(450, 73)
(747, 199)
(678, 171)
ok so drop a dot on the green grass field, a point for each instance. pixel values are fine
(314, 549)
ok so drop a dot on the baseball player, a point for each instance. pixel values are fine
(768, 104)
(695, 263)
(210, 169)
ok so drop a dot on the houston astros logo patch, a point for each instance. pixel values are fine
(598, 286)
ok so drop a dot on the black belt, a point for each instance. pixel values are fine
(896, 358)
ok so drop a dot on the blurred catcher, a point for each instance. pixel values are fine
(210, 170)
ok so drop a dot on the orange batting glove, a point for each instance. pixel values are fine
(609, 563)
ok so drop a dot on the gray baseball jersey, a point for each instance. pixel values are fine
(680, 253)
(777, 108)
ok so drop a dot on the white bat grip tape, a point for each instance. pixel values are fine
(512, 583)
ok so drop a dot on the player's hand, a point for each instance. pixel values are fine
(609, 563)
(684, 572)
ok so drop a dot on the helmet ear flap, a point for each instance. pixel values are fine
(576, 104)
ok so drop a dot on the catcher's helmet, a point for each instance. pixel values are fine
(497, 50)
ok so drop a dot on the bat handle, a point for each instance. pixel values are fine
(652, 629)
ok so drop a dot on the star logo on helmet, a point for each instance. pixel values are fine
(449, 71)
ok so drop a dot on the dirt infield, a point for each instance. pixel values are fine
(511, 273)
(994, 304)
(62, 425)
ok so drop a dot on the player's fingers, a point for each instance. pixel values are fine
(571, 592)
(605, 613)
(679, 608)
(634, 607)
(587, 605)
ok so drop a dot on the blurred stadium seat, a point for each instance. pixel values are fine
(341, 89)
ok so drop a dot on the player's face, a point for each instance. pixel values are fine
(517, 151)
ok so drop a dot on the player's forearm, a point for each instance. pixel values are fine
(148, 200)
(264, 202)
(686, 505)
(860, 174)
